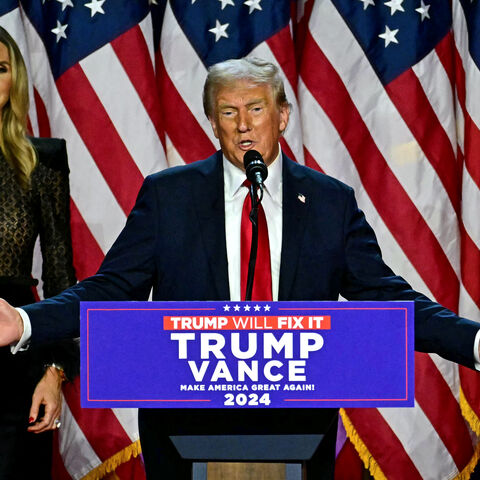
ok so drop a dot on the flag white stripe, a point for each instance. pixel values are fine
(121, 101)
(467, 307)
(449, 371)
(173, 156)
(470, 208)
(472, 73)
(417, 436)
(127, 417)
(78, 455)
(406, 160)
(436, 85)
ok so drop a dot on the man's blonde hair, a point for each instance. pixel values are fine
(252, 69)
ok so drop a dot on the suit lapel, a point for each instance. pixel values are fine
(208, 197)
(295, 210)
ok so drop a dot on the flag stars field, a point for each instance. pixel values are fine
(65, 4)
(226, 2)
(423, 10)
(96, 6)
(253, 4)
(367, 3)
(389, 36)
(395, 5)
(219, 30)
(59, 31)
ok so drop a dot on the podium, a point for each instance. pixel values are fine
(292, 450)
(263, 365)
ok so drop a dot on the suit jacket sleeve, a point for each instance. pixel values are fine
(366, 276)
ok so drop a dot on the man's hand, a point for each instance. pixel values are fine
(11, 324)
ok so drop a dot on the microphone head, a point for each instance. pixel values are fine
(255, 167)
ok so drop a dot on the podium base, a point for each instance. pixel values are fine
(246, 448)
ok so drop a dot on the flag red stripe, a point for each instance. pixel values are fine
(89, 421)
(100, 136)
(472, 149)
(438, 403)
(132, 52)
(383, 444)
(286, 148)
(427, 130)
(430, 261)
(446, 55)
(281, 45)
(42, 116)
(310, 161)
(183, 128)
(87, 254)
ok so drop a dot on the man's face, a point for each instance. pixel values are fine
(246, 117)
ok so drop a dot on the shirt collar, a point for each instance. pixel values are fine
(234, 177)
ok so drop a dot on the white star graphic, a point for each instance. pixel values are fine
(95, 6)
(152, 2)
(394, 6)
(389, 36)
(257, 308)
(267, 308)
(65, 4)
(253, 4)
(423, 10)
(236, 308)
(246, 308)
(59, 31)
(367, 3)
(226, 308)
(219, 30)
(226, 2)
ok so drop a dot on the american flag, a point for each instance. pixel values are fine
(385, 97)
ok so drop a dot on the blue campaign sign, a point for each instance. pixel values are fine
(247, 354)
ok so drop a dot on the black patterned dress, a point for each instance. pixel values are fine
(42, 211)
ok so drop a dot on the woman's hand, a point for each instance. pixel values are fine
(48, 392)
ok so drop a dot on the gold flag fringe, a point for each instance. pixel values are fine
(367, 458)
(469, 414)
(107, 468)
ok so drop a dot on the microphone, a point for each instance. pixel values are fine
(255, 167)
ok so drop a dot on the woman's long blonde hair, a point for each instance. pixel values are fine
(16, 148)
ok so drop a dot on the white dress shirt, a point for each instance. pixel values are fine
(235, 193)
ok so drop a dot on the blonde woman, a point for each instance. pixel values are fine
(34, 200)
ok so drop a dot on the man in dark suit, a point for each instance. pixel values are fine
(182, 240)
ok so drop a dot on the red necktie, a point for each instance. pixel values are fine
(262, 283)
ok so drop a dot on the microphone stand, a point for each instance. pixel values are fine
(256, 200)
